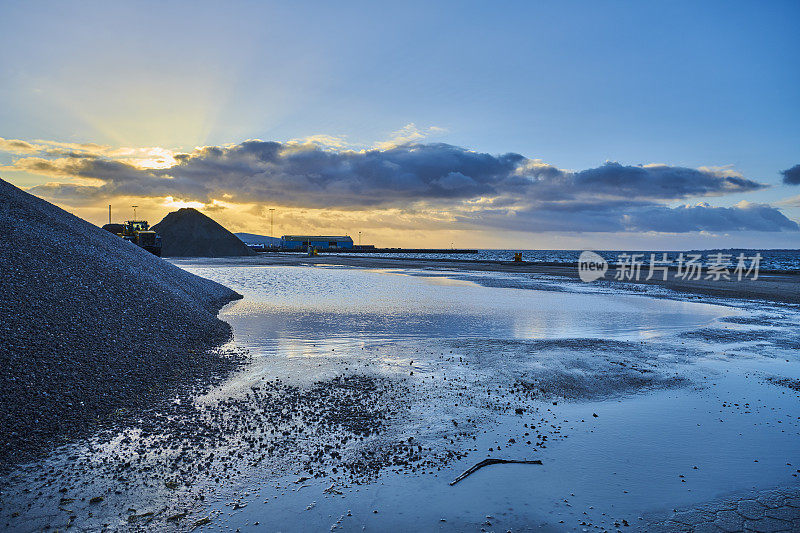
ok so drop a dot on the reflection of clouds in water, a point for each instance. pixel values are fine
(322, 303)
(307, 323)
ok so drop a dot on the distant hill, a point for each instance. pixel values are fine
(252, 238)
(189, 233)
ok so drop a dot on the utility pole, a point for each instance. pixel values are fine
(271, 220)
(134, 211)
(109, 213)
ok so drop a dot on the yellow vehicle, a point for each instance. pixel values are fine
(139, 233)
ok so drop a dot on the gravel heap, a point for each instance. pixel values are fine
(91, 327)
(189, 233)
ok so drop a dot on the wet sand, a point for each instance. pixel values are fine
(369, 390)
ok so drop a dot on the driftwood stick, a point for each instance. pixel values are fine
(487, 462)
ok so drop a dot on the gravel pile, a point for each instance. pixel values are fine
(189, 233)
(91, 327)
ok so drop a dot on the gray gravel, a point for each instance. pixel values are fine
(92, 328)
(189, 233)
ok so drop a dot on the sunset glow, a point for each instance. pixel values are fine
(520, 154)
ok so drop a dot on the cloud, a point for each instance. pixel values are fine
(329, 141)
(623, 216)
(304, 174)
(408, 134)
(662, 181)
(148, 157)
(16, 146)
(703, 217)
(791, 176)
(309, 175)
(445, 183)
(792, 201)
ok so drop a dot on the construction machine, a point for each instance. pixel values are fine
(139, 233)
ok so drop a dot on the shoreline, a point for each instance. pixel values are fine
(771, 286)
(383, 421)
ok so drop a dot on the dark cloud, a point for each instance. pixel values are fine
(505, 190)
(791, 176)
(633, 216)
(308, 175)
(311, 176)
(660, 181)
(747, 217)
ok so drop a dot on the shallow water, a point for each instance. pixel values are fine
(312, 322)
(674, 385)
(336, 306)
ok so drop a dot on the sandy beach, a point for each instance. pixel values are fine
(371, 385)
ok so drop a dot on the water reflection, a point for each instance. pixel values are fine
(330, 306)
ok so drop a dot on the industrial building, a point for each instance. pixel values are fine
(320, 242)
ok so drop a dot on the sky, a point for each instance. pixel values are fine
(605, 125)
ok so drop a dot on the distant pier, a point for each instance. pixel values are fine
(400, 251)
(365, 250)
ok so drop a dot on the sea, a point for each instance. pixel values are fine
(769, 260)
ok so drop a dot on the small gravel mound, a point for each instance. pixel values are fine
(189, 233)
(90, 326)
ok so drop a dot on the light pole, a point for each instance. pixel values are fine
(359, 238)
(271, 220)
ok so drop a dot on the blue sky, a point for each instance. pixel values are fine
(575, 84)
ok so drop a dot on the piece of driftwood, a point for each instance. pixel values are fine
(487, 462)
